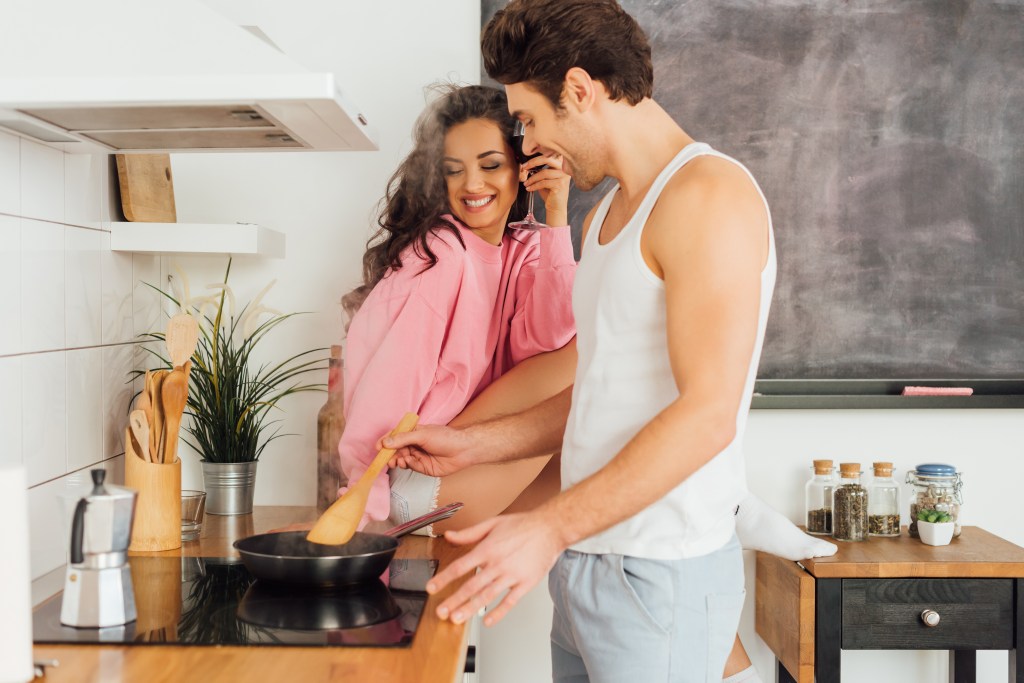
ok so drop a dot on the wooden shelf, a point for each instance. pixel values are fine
(239, 239)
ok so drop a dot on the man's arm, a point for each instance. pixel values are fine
(439, 451)
(707, 239)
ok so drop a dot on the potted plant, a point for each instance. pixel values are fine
(935, 527)
(230, 396)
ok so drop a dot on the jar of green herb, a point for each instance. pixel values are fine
(849, 505)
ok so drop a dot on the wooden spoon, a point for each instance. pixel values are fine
(140, 430)
(181, 338)
(339, 522)
(173, 395)
(156, 426)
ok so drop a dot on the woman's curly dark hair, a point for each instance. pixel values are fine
(417, 196)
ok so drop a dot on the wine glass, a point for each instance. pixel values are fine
(529, 222)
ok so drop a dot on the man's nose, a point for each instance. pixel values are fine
(529, 144)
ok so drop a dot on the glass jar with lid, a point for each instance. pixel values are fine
(935, 487)
(849, 505)
(818, 498)
(883, 502)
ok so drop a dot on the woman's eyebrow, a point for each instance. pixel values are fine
(478, 156)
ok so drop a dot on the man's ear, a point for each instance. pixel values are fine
(579, 91)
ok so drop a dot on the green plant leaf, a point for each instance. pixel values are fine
(230, 398)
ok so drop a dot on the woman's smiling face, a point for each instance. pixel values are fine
(481, 175)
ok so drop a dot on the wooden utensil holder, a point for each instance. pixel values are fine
(157, 524)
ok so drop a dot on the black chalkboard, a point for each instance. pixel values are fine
(888, 136)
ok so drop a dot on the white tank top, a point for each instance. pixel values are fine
(624, 379)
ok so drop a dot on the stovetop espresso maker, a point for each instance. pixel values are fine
(98, 585)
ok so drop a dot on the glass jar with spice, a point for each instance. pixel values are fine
(849, 505)
(818, 498)
(883, 502)
(935, 487)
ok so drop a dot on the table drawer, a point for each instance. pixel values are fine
(975, 614)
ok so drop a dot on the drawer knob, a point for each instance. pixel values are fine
(930, 617)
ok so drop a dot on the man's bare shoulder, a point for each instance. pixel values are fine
(708, 193)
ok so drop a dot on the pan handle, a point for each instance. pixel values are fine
(422, 521)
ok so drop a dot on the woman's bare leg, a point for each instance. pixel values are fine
(487, 490)
(738, 660)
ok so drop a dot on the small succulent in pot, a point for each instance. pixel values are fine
(935, 527)
(933, 516)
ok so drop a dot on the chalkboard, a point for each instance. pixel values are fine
(888, 137)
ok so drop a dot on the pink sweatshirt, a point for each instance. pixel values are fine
(429, 341)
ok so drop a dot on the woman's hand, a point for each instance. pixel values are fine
(553, 185)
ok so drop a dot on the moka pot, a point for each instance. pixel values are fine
(98, 589)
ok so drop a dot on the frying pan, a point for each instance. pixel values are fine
(287, 557)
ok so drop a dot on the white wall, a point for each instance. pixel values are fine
(69, 312)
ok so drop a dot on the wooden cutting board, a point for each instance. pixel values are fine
(147, 187)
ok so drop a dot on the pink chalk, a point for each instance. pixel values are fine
(937, 391)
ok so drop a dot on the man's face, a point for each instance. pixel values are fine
(557, 131)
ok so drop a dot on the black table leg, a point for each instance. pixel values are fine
(828, 629)
(963, 666)
(1017, 653)
(783, 673)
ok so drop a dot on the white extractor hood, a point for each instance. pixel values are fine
(125, 76)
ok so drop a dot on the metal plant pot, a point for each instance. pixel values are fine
(229, 487)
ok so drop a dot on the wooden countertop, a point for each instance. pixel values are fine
(437, 653)
(975, 553)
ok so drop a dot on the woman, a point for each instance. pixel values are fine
(453, 299)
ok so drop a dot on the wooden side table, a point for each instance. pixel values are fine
(893, 594)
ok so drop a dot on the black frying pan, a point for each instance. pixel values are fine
(287, 557)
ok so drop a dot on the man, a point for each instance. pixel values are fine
(671, 301)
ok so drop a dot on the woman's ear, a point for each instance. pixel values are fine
(579, 91)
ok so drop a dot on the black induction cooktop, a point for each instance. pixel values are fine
(215, 601)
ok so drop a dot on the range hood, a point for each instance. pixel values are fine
(161, 76)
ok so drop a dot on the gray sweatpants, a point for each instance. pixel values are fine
(620, 619)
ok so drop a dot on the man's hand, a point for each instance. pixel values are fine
(513, 553)
(431, 449)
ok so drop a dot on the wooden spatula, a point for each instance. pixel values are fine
(181, 338)
(339, 522)
(173, 394)
(140, 430)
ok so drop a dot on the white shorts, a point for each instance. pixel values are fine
(413, 495)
